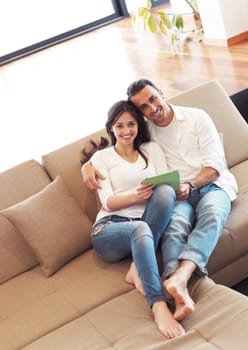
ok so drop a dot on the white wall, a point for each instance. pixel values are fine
(132, 5)
(235, 16)
(223, 19)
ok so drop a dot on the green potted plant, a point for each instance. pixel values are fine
(169, 23)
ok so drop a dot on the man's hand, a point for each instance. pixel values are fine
(183, 192)
(90, 176)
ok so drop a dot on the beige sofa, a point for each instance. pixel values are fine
(56, 293)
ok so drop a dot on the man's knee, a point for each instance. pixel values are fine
(183, 213)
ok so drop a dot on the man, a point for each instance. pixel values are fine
(191, 145)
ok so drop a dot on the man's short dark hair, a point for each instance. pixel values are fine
(137, 86)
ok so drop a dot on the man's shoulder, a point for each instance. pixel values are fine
(186, 109)
(189, 113)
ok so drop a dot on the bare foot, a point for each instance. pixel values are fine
(165, 322)
(177, 288)
(133, 278)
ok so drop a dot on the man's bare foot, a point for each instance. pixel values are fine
(177, 288)
(133, 278)
(165, 322)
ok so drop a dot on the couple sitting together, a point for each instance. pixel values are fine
(150, 137)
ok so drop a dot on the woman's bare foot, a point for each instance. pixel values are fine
(177, 288)
(133, 278)
(165, 322)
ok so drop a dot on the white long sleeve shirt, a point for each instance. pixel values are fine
(191, 142)
(122, 177)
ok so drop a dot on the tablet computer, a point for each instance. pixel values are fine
(172, 179)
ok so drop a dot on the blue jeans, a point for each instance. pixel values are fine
(195, 228)
(115, 237)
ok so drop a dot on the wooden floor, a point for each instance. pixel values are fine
(59, 95)
(186, 65)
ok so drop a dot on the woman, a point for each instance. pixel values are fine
(134, 215)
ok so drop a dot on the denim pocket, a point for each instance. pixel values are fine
(195, 196)
(99, 226)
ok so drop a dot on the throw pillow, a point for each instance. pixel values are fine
(15, 254)
(53, 225)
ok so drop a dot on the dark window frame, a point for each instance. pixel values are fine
(158, 2)
(120, 13)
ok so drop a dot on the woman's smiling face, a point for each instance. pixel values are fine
(125, 129)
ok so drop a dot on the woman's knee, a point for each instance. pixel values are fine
(164, 194)
(162, 190)
(141, 229)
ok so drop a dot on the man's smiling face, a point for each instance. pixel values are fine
(152, 104)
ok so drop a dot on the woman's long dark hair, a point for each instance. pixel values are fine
(117, 109)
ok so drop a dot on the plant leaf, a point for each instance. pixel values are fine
(149, 4)
(143, 12)
(163, 28)
(163, 14)
(152, 25)
(165, 18)
(178, 21)
(173, 39)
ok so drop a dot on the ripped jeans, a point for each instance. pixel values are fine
(115, 237)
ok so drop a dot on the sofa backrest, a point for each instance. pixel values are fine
(21, 182)
(65, 162)
(17, 184)
(212, 98)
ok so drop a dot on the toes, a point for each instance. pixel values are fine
(183, 311)
(173, 291)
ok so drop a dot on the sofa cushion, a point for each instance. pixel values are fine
(21, 182)
(232, 247)
(126, 322)
(53, 225)
(32, 306)
(70, 170)
(240, 172)
(15, 254)
(17, 184)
